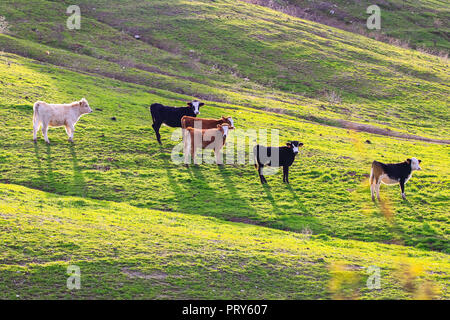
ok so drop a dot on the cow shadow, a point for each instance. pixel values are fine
(41, 173)
(222, 201)
(275, 208)
(229, 185)
(300, 204)
(46, 176)
(47, 179)
(79, 184)
(195, 171)
(183, 201)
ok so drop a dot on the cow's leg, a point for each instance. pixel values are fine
(286, 174)
(187, 151)
(372, 185)
(402, 187)
(193, 155)
(67, 130)
(36, 126)
(44, 132)
(219, 160)
(156, 126)
(70, 129)
(377, 188)
(261, 176)
(372, 190)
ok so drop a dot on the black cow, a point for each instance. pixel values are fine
(171, 116)
(276, 157)
(393, 173)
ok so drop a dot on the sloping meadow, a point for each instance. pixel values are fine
(235, 52)
(116, 157)
(141, 225)
(133, 253)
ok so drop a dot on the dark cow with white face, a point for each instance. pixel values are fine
(171, 116)
(395, 173)
(276, 157)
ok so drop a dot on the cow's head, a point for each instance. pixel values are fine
(294, 145)
(228, 120)
(224, 129)
(84, 106)
(195, 105)
(414, 163)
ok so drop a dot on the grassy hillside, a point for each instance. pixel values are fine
(329, 180)
(126, 252)
(418, 24)
(116, 187)
(242, 54)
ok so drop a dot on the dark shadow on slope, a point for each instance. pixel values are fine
(199, 191)
(184, 200)
(199, 196)
(240, 203)
(300, 204)
(38, 163)
(46, 177)
(206, 193)
(50, 174)
(275, 207)
(78, 180)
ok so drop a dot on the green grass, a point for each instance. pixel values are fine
(328, 180)
(117, 188)
(127, 252)
(419, 23)
(242, 54)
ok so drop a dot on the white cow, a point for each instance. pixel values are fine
(58, 115)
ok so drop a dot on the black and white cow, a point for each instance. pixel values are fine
(171, 116)
(392, 174)
(276, 157)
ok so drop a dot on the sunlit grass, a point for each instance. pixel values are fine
(141, 226)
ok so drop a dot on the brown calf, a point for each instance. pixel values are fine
(201, 123)
(205, 139)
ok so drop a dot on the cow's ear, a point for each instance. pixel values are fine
(289, 145)
(420, 161)
(201, 104)
(408, 160)
(189, 104)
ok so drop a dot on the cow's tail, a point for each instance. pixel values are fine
(371, 173)
(152, 111)
(256, 155)
(36, 111)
